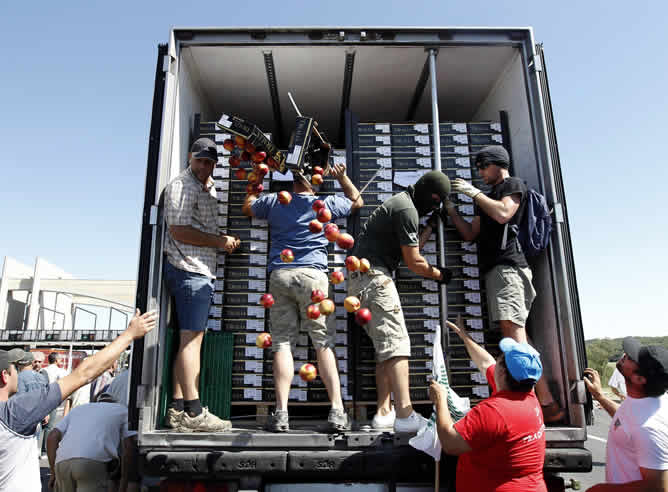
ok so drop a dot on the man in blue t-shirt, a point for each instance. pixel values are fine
(21, 413)
(292, 283)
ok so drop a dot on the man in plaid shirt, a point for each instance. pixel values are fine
(191, 211)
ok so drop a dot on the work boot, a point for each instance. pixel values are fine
(204, 422)
(410, 424)
(338, 420)
(173, 418)
(278, 422)
(380, 421)
(553, 413)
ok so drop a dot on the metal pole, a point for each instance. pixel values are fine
(436, 138)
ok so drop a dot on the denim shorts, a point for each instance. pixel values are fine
(192, 294)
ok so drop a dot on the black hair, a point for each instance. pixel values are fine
(513, 385)
(53, 358)
(655, 385)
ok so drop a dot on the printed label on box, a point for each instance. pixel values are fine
(463, 173)
(472, 284)
(382, 127)
(476, 324)
(470, 259)
(217, 299)
(430, 298)
(254, 366)
(477, 336)
(482, 391)
(343, 365)
(474, 310)
(421, 127)
(257, 272)
(339, 297)
(252, 394)
(384, 162)
(471, 272)
(463, 198)
(298, 394)
(260, 285)
(466, 209)
(341, 339)
(300, 353)
(473, 297)
(462, 139)
(252, 380)
(259, 234)
(219, 284)
(221, 137)
(213, 324)
(430, 285)
(386, 151)
(253, 352)
(384, 185)
(422, 139)
(258, 312)
(383, 139)
(423, 150)
(215, 312)
(341, 351)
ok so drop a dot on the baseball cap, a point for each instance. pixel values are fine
(522, 360)
(493, 154)
(10, 357)
(204, 148)
(652, 360)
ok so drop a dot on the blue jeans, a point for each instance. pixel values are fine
(192, 293)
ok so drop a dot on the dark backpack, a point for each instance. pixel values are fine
(536, 225)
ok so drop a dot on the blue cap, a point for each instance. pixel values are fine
(522, 360)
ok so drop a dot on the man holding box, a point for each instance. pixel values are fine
(192, 242)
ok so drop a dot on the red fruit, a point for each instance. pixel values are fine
(253, 177)
(272, 163)
(315, 226)
(250, 148)
(352, 263)
(234, 161)
(284, 197)
(317, 205)
(365, 265)
(318, 170)
(245, 156)
(351, 303)
(263, 340)
(240, 174)
(308, 372)
(259, 157)
(345, 241)
(313, 311)
(327, 307)
(331, 232)
(362, 316)
(240, 141)
(317, 295)
(254, 188)
(324, 215)
(229, 145)
(316, 179)
(287, 256)
(262, 169)
(336, 277)
(267, 300)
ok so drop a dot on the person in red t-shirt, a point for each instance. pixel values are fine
(501, 441)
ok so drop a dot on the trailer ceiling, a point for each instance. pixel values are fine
(234, 80)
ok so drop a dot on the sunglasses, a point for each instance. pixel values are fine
(482, 165)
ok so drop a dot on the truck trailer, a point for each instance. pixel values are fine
(393, 102)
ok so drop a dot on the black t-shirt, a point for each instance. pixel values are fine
(393, 224)
(491, 232)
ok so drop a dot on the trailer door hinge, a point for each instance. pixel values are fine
(578, 392)
(536, 63)
(153, 215)
(166, 63)
(558, 212)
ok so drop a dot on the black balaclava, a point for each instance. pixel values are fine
(433, 182)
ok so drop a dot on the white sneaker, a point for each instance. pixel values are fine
(410, 424)
(384, 421)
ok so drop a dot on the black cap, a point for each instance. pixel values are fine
(652, 360)
(493, 154)
(204, 148)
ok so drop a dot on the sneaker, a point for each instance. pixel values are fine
(552, 413)
(338, 420)
(278, 422)
(384, 421)
(410, 424)
(173, 418)
(204, 422)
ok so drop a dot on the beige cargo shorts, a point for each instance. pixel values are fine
(291, 288)
(387, 328)
(510, 293)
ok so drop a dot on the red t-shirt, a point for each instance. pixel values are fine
(507, 437)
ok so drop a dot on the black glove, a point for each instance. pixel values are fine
(432, 221)
(446, 275)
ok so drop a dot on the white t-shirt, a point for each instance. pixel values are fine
(638, 438)
(54, 373)
(618, 382)
(81, 396)
(93, 431)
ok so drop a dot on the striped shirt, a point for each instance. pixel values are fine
(189, 203)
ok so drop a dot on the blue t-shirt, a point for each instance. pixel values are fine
(288, 225)
(23, 411)
(30, 381)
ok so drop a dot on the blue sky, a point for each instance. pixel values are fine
(76, 95)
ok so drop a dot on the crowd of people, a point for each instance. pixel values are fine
(504, 435)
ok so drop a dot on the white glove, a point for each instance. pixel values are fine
(461, 186)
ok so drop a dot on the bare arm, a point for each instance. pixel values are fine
(417, 264)
(425, 235)
(349, 189)
(246, 207)
(67, 408)
(452, 442)
(652, 481)
(500, 210)
(95, 365)
(592, 381)
(52, 443)
(480, 357)
(190, 235)
(467, 231)
(126, 460)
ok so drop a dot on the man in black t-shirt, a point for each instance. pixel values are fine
(506, 272)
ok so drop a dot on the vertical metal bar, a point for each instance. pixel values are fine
(436, 137)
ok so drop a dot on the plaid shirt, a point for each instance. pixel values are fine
(189, 203)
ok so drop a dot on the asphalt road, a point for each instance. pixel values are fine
(597, 436)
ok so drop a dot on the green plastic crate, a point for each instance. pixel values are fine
(215, 384)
